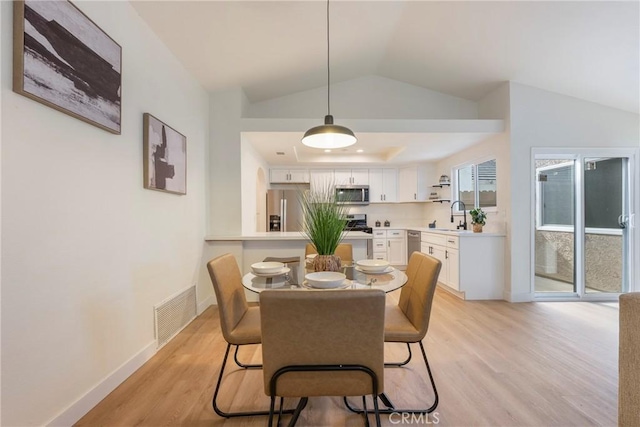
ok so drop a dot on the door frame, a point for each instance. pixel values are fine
(633, 191)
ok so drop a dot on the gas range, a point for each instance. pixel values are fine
(358, 222)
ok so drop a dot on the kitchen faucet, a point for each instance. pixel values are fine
(464, 211)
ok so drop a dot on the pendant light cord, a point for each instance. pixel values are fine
(328, 68)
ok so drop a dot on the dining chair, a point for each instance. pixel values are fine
(408, 321)
(322, 343)
(344, 251)
(239, 322)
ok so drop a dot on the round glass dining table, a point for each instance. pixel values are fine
(388, 281)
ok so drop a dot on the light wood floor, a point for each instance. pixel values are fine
(495, 364)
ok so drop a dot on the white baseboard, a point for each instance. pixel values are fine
(84, 404)
(522, 297)
(202, 306)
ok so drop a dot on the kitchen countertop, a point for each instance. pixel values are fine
(461, 233)
(283, 235)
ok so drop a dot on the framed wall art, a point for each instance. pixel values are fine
(62, 59)
(165, 157)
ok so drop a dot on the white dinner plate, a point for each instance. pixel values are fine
(385, 271)
(305, 284)
(285, 270)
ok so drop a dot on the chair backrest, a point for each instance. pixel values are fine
(332, 327)
(416, 296)
(344, 251)
(629, 360)
(227, 284)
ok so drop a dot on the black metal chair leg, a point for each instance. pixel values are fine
(399, 364)
(214, 401)
(376, 411)
(242, 365)
(391, 409)
(366, 415)
(301, 405)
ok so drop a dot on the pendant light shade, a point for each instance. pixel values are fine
(328, 136)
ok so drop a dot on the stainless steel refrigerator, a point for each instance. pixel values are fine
(284, 212)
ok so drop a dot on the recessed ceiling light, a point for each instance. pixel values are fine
(359, 150)
(327, 151)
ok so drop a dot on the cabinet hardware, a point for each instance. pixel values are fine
(446, 254)
(381, 197)
(450, 241)
(385, 197)
(414, 196)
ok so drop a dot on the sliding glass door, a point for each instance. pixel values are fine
(582, 243)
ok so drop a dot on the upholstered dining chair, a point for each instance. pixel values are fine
(239, 322)
(344, 251)
(322, 343)
(408, 321)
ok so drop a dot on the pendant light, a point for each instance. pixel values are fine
(328, 136)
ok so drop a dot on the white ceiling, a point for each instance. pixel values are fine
(590, 50)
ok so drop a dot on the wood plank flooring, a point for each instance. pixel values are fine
(495, 364)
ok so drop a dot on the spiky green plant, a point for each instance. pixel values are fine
(324, 218)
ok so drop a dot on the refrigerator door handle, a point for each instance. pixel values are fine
(284, 213)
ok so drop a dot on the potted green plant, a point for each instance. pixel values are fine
(478, 219)
(324, 221)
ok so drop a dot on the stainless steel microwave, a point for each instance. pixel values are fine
(352, 194)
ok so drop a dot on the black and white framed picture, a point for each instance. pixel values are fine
(62, 59)
(165, 157)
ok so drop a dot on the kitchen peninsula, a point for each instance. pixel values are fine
(254, 247)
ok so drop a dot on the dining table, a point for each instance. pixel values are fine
(389, 280)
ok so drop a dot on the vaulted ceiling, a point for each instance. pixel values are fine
(586, 49)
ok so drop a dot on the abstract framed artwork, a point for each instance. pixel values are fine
(62, 59)
(165, 157)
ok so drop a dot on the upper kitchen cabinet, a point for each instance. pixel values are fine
(352, 176)
(412, 184)
(320, 179)
(289, 176)
(382, 185)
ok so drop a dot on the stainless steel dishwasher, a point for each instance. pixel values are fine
(413, 242)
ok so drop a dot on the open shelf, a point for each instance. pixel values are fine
(439, 200)
(440, 185)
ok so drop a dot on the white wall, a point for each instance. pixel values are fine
(225, 179)
(251, 163)
(370, 97)
(545, 119)
(86, 251)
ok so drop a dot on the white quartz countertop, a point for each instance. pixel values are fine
(461, 233)
(282, 235)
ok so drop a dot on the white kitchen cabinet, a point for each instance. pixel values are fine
(352, 176)
(382, 185)
(472, 263)
(390, 245)
(320, 179)
(289, 176)
(412, 185)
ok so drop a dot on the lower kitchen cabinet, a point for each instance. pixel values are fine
(472, 264)
(390, 245)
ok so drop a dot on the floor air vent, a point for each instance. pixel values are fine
(174, 314)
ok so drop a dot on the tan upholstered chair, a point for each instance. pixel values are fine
(240, 323)
(629, 361)
(408, 321)
(344, 251)
(322, 343)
